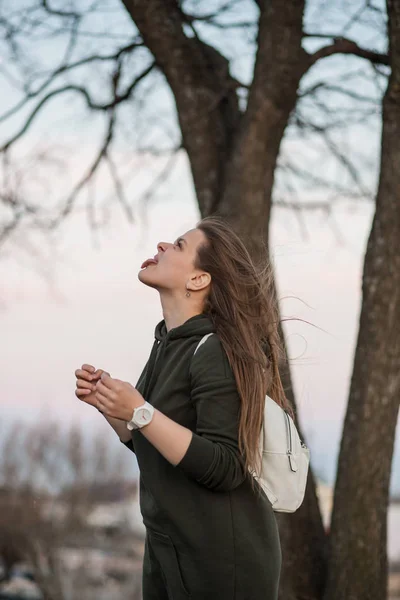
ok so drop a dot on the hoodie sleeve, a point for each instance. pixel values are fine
(139, 386)
(213, 457)
(129, 444)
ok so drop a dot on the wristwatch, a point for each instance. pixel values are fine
(142, 415)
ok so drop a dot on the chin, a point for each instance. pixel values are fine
(147, 278)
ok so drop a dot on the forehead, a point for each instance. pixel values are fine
(193, 237)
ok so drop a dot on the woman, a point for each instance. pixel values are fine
(211, 532)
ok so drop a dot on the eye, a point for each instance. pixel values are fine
(179, 243)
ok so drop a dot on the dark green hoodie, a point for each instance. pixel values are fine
(223, 537)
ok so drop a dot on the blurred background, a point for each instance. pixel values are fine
(110, 143)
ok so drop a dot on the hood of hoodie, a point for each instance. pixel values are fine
(199, 325)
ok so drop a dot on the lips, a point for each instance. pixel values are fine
(149, 261)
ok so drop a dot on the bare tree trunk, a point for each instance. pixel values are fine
(204, 92)
(358, 561)
(280, 64)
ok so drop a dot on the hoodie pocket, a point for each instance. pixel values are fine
(167, 556)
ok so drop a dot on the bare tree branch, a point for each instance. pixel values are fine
(59, 13)
(200, 81)
(199, 62)
(89, 101)
(160, 178)
(119, 187)
(64, 69)
(11, 226)
(345, 46)
(69, 202)
(210, 16)
(268, 108)
(343, 159)
(328, 87)
(355, 17)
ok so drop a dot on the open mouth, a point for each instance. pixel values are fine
(149, 261)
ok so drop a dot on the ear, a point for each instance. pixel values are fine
(199, 281)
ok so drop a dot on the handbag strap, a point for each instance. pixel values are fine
(203, 339)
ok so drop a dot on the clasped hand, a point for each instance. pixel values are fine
(113, 397)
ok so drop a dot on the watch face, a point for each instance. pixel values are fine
(143, 415)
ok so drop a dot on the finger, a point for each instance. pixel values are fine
(107, 380)
(80, 393)
(86, 367)
(81, 374)
(99, 372)
(87, 385)
(105, 391)
(89, 399)
(103, 400)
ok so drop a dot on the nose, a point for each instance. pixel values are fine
(162, 246)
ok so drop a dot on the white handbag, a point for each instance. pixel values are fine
(285, 458)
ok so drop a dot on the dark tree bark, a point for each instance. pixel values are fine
(280, 64)
(358, 540)
(204, 92)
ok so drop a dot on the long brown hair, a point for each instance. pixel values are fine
(243, 306)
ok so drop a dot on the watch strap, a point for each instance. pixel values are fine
(131, 425)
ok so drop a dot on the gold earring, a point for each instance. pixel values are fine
(187, 293)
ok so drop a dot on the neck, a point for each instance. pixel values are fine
(177, 311)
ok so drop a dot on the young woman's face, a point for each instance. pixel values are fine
(173, 265)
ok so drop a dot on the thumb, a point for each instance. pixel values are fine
(99, 373)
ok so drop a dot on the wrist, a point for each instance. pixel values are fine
(141, 416)
(139, 401)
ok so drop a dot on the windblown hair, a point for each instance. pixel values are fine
(243, 306)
